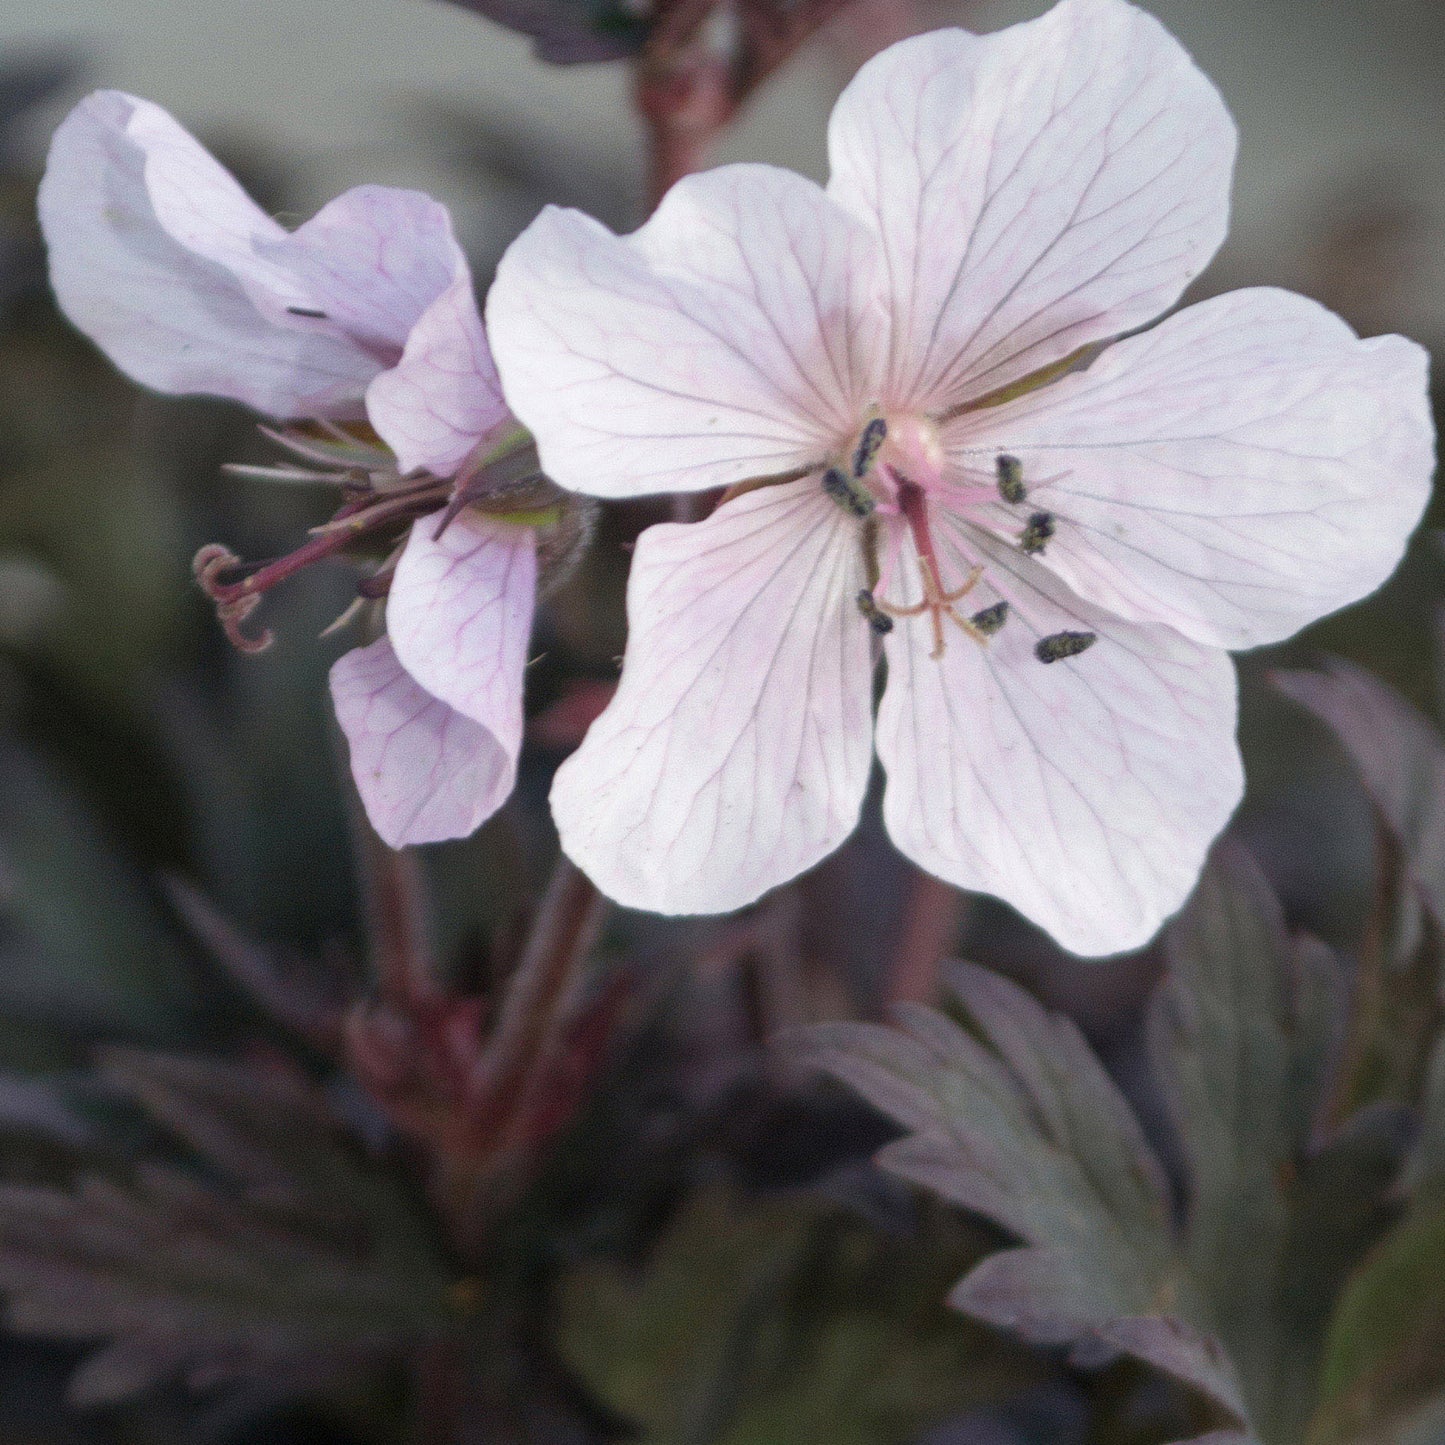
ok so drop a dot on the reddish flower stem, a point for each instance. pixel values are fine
(687, 92)
(932, 921)
(398, 919)
(568, 921)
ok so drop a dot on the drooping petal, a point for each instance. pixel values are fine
(1038, 189)
(733, 336)
(1239, 470)
(736, 751)
(1085, 792)
(173, 302)
(424, 771)
(459, 615)
(374, 260)
(443, 397)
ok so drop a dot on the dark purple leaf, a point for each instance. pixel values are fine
(301, 996)
(1401, 760)
(1171, 1346)
(1399, 755)
(38, 1107)
(1017, 1120)
(1246, 1033)
(1425, 1173)
(569, 32)
(297, 1255)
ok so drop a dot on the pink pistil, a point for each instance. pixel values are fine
(937, 600)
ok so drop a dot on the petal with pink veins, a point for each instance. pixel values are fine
(424, 771)
(159, 256)
(1241, 469)
(443, 397)
(373, 260)
(1048, 186)
(735, 335)
(737, 748)
(459, 615)
(1085, 792)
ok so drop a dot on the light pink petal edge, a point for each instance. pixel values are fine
(733, 336)
(737, 748)
(1241, 469)
(1085, 792)
(153, 255)
(443, 397)
(1050, 185)
(373, 260)
(424, 771)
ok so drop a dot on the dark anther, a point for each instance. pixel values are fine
(1059, 645)
(848, 494)
(990, 619)
(1011, 479)
(873, 437)
(878, 619)
(1038, 532)
(306, 311)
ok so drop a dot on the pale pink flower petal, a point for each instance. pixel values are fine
(1046, 186)
(1243, 468)
(424, 771)
(459, 615)
(443, 397)
(374, 260)
(733, 336)
(174, 306)
(736, 751)
(160, 257)
(1085, 792)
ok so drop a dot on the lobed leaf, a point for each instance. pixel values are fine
(1013, 1117)
(295, 1253)
(1019, 1122)
(764, 1320)
(1399, 755)
(1243, 1032)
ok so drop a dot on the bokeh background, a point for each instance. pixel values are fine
(137, 748)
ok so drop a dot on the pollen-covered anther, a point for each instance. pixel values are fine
(849, 493)
(1059, 645)
(874, 614)
(1041, 527)
(1010, 471)
(869, 443)
(989, 620)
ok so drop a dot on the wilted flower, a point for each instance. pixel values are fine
(910, 384)
(365, 314)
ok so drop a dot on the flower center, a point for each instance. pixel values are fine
(890, 476)
(886, 478)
